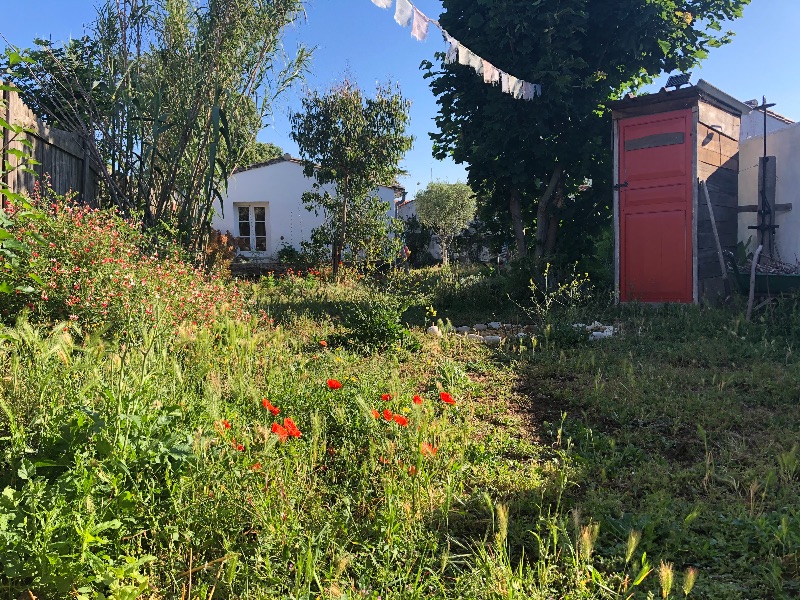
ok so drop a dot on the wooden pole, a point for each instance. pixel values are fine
(722, 267)
(756, 256)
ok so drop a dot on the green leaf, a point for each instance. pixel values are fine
(644, 572)
(26, 470)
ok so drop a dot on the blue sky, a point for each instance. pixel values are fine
(358, 38)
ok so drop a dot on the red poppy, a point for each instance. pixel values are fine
(375, 413)
(256, 467)
(383, 461)
(417, 399)
(280, 431)
(240, 447)
(291, 427)
(225, 424)
(400, 420)
(387, 414)
(412, 470)
(334, 384)
(323, 343)
(268, 405)
(386, 397)
(427, 450)
(446, 398)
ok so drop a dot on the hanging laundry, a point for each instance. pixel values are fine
(517, 92)
(527, 90)
(419, 30)
(504, 77)
(403, 12)
(490, 73)
(476, 62)
(463, 54)
(515, 87)
(452, 48)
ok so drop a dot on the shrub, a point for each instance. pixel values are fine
(92, 271)
(374, 323)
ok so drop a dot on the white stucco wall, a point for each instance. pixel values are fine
(785, 146)
(406, 210)
(279, 186)
(753, 125)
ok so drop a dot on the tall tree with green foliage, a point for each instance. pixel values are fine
(355, 142)
(447, 209)
(168, 96)
(260, 152)
(547, 161)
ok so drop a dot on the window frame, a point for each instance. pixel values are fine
(251, 238)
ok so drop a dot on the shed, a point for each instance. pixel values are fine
(664, 144)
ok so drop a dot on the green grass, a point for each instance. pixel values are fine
(580, 470)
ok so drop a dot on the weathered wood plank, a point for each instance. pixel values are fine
(716, 118)
(60, 155)
(724, 180)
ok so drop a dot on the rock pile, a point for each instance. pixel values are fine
(494, 333)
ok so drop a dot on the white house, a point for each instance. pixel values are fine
(264, 210)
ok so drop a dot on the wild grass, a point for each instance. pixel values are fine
(662, 462)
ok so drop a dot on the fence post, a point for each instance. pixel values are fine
(86, 173)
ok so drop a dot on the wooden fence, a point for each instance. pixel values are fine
(60, 154)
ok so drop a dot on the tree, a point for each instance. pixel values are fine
(548, 160)
(260, 152)
(354, 142)
(168, 96)
(446, 208)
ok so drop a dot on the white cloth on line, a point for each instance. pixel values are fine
(515, 87)
(419, 30)
(490, 73)
(504, 81)
(452, 49)
(476, 62)
(463, 54)
(403, 12)
(382, 3)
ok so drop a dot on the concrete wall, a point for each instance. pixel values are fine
(785, 146)
(279, 186)
(753, 125)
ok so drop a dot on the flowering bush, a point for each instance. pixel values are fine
(92, 271)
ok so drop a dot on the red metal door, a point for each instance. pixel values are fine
(655, 208)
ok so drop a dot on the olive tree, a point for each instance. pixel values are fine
(447, 209)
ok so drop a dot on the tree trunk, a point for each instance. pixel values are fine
(338, 246)
(554, 222)
(541, 213)
(515, 206)
(443, 244)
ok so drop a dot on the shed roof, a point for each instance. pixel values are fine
(684, 97)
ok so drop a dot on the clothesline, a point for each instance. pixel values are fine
(406, 13)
